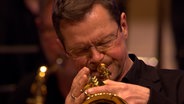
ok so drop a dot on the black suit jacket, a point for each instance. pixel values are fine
(166, 86)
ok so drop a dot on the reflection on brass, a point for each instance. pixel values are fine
(38, 87)
(101, 98)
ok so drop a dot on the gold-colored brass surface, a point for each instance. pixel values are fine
(104, 98)
(101, 98)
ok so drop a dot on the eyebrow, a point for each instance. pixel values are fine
(109, 36)
(80, 46)
(95, 42)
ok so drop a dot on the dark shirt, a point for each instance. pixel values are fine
(166, 86)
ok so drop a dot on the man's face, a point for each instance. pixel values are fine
(97, 39)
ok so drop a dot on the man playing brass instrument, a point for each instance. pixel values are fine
(94, 32)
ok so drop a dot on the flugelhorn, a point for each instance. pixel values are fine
(101, 98)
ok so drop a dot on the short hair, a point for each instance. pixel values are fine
(75, 10)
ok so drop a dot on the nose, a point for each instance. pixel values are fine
(96, 56)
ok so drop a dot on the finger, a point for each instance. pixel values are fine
(81, 98)
(98, 89)
(111, 82)
(72, 99)
(79, 81)
(109, 87)
(83, 71)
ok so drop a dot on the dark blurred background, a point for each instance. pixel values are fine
(20, 52)
(177, 22)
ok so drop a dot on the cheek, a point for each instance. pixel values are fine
(118, 52)
(118, 55)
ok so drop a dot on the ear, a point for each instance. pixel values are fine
(61, 46)
(59, 43)
(124, 25)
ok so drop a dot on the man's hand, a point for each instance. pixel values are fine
(132, 94)
(76, 95)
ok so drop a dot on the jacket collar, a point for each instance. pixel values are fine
(142, 74)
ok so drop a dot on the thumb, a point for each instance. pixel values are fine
(108, 81)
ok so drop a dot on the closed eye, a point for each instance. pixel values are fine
(107, 40)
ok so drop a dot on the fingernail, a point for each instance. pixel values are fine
(105, 82)
(85, 92)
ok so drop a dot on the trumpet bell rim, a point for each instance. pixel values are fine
(104, 98)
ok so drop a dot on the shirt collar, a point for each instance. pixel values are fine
(133, 73)
(140, 73)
